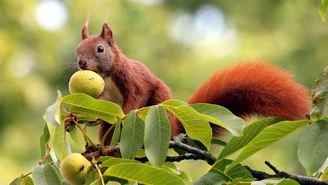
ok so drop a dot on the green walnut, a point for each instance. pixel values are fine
(74, 169)
(87, 82)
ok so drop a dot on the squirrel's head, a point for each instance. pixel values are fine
(97, 52)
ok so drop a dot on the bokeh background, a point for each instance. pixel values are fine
(182, 42)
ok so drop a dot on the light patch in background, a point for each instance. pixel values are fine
(209, 22)
(148, 2)
(33, 88)
(20, 65)
(183, 30)
(51, 14)
(207, 31)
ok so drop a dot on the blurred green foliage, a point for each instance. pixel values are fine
(171, 37)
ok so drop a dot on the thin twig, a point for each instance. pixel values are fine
(94, 163)
(44, 158)
(25, 175)
(274, 169)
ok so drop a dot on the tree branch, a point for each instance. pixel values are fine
(182, 157)
(193, 153)
(108, 151)
(174, 158)
(303, 180)
(198, 153)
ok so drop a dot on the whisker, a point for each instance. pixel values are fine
(69, 68)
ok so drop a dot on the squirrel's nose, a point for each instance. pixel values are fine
(82, 64)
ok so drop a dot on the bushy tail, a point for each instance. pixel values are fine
(255, 88)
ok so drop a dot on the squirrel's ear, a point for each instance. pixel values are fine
(85, 33)
(106, 33)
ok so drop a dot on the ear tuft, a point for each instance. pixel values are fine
(106, 33)
(85, 33)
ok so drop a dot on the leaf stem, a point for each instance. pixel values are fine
(103, 140)
(94, 162)
(93, 145)
(25, 175)
(144, 108)
(29, 173)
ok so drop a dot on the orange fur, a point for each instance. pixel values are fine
(254, 88)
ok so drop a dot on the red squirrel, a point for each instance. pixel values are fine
(245, 89)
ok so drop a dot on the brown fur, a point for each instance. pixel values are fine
(245, 89)
(137, 85)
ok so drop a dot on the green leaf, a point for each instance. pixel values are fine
(143, 174)
(175, 103)
(60, 143)
(268, 136)
(77, 136)
(196, 127)
(242, 181)
(251, 131)
(26, 180)
(288, 182)
(132, 135)
(324, 175)
(143, 112)
(116, 133)
(83, 119)
(171, 166)
(16, 181)
(44, 139)
(52, 131)
(52, 114)
(92, 176)
(46, 174)
(217, 175)
(85, 104)
(218, 142)
(323, 9)
(231, 174)
(220, 116)
(277, 181)
(312, 149)
(95, 182)
(108, 161)
(320, 96)
(157, 135)
(109, 118)
(209, 179)
(117, 181)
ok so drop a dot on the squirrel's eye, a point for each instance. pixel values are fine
(100, 49)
